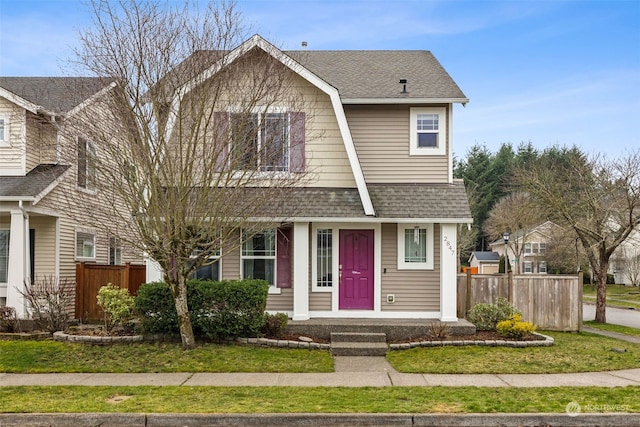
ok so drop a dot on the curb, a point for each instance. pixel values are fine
(389, 420)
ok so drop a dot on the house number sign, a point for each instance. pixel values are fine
(448, 244)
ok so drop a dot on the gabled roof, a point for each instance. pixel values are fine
(374, 75)
(485, 256)
(33, 186)
(545, 229)
(52, 95)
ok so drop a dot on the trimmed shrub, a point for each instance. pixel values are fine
(117, 305)
(275, 325)
(515, 328)
(487, 316)
(218, 310)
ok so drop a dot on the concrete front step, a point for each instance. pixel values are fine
(358, 337)
(359, 348)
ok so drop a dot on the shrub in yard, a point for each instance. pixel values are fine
(439, 329)
(486, 316)
(50, 302)
(117, 305)
(515, 328)
(9, 320)
(275, 325)
(218, 310)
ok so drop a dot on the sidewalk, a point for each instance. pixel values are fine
(379, 374)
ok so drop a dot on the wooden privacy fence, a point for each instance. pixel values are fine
(91, 277)
(553, 302)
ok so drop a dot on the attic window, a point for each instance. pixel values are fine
(427, 131)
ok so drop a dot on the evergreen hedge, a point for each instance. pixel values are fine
(218, 310)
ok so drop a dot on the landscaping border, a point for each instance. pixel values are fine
(548, 341)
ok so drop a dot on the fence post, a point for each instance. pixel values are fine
(79, 287)
(510, 292)
(125, 279)
(580, 302)
(468, 296)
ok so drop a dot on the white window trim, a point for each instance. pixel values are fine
(314, 257)
(524, 267)
(541, 264)
(273, 289)
(218, 259)
(75, 245)
(6, 141)
(441, 149)
(8, 230)
(261, 174)
(402, 264)
(119, 248)
(90, 187)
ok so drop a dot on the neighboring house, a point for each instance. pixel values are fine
(45, 164)
(372, 233)
(530, 257)
(485, 262)
(625, 262)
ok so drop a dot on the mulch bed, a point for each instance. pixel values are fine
(479, 336)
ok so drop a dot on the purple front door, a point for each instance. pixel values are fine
(356, 270)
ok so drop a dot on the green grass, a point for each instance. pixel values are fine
(617, 295)
(571, 352)
(316, 399)
(614, 328)
(52, 356)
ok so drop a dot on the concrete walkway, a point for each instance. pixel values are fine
(377, 374)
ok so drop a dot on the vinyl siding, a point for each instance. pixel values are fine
(12, 155)
(414, 290)
(45, 245)
(41, 142)
(381, 137)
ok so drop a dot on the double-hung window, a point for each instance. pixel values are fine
(415, 246)
(86, 164)
(542, 267)
(4, 129)
(260, 141)
(210, 270)
(85, 245)
(428, 134)
(4, 255)
(528, 267)
(115, 251)
(258, 256)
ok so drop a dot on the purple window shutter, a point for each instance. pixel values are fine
(283, 261)
(221, 129)
(297, 156)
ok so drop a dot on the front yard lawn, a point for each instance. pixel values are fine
(634, 332)
(317, 399)
(53, 356)
(571, 352)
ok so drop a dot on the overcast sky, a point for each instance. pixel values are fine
(549, 72)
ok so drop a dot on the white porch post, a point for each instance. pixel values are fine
(18, 262)
(301, 271)
(448, 273)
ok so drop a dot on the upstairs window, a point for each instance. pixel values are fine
(266, 142)
(260, 141)
(4, 129)
(86, 164)
(535, 248)
(427, 131)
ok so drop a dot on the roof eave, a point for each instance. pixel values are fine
(407, 101)
(17, 198)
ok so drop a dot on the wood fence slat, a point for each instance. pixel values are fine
(553, 302)
(91, 277)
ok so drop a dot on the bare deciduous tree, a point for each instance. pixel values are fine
(598, 198)
(202, 137)
(516, 215)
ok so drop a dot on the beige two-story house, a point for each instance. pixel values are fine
(372, 231)
(47, 185)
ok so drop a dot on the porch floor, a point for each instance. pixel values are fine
(395, 329)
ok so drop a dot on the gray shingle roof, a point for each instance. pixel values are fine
(486, 256)
(32, 184)
(393, 201)
(53, 94)
(361, 74)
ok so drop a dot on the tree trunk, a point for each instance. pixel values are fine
(601, 293)
(184, 321)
